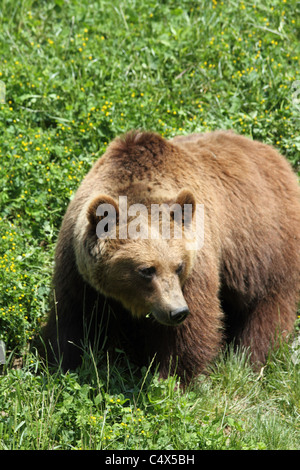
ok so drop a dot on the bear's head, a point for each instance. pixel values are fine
(140, 260)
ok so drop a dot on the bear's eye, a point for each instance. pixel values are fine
(179, 269)
(147, 273)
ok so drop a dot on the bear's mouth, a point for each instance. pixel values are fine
(172, 318)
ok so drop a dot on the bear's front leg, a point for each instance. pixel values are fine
(189, 348)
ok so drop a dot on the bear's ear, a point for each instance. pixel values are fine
(186, 199)
(101, 207)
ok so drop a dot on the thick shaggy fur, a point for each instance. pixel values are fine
(242, 285)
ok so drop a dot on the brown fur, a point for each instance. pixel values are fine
(242, 285)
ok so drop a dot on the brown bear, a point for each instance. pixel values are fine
(163, 296)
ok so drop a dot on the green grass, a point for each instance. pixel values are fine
(76, 74)
(123, 408)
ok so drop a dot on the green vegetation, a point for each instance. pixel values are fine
(123, 408)
(76, 74)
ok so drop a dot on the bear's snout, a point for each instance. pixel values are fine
(171, 317)
(179, 315)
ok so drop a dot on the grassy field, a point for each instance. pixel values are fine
(73, 75)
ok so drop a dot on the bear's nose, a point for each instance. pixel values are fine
(179, 315)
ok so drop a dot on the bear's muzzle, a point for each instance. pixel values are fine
(179, 315)
(171, 317)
